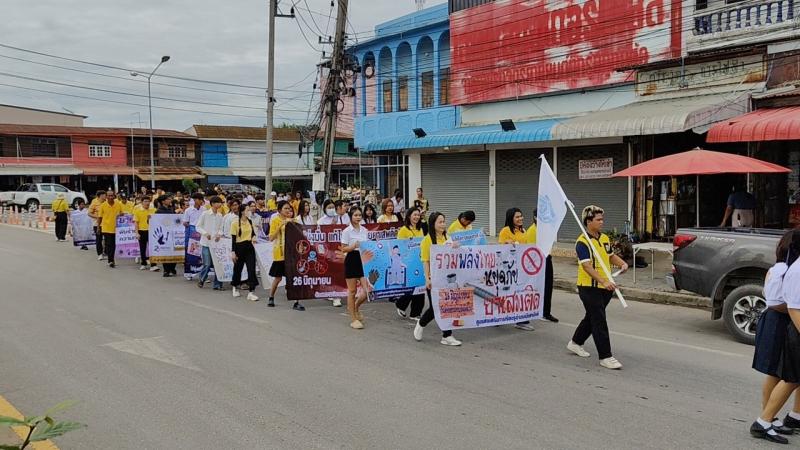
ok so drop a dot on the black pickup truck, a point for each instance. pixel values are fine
(728, 265)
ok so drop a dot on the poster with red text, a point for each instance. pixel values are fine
(486, 285)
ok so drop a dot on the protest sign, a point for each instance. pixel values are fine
(127, 238)
(392, 266)
(193, 260)
(166, 238)
(486, 285)
(262, 228)
(264, 259)
(468, 237)
(82, 228)
(314, 263)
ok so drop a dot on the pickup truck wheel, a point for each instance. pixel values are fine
(741, 311)
(32, 205)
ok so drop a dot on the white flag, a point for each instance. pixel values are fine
(551, 208)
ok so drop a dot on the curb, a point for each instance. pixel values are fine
(7, 409)
(642, 295)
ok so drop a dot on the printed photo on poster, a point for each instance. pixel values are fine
(468, 237)
(127, 238)
(193, 260)
(392, 266)
(82, 228)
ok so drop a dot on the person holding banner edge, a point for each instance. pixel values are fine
(141, 217)
(594, 288)
(107, 223)
(209, 225)
(530, 237)
(411, 229)
(514, 233)
(243, 253)
(277, 234)
(352, 237)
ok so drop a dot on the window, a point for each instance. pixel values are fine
(176, 150)
(444, 86)
(427, 89)
(59, 188)
(402, 93)
(99, 149)
(700, 4)
(387, 96)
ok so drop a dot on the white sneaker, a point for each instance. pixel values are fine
(401, 313)
(137, 260)
(100, 258)
(235, 292)
(154, 269)
(451, 341)
(524, 326)
(142, 267)
(337, 302)
(611, 363)
(418, 332)
(577, 349)
(252, 297)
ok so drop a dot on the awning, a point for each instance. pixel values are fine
(278, 173)
(107, 170)
(217, 171)
(166, 174)
(777, 124)
(672, 115)
(38, 170)
(529, 131)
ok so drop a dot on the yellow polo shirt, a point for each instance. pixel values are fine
(108, 216)
(507, 237)
(409, 233)
(60, 205)
(456, 226)
(142, 217)
(530, 235)
(277, 233)
(425, 247)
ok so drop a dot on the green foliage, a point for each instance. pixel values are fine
(190, 185)
(41, 428)
(281, 186)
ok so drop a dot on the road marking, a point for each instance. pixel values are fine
(8, 410)
(156, 348)
(227, 313)
(662, 341)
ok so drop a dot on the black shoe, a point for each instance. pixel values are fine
(83, 247)
(783, 429)
(551, 318)
(112, 265)
(271, 303)
(298, 307)
(219, 288)
(790, 422)
(200, 284)
(762, 433)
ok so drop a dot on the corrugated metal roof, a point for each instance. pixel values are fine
(773, 124)
(31, 169)
(55, 130)
(529, 131)
(653, 117)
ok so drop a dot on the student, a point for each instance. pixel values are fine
(272, 203)
(107, 223)
(243, 253)
(165, 207)
(261, 203)
(341, 212)
(192, 214)
(295, 202)
(352, 237)
(387, 212)
(463, 223)
(141, 217)
(277, 234)
(60, 208)
(230, 216)
(82, 210)
(594, 288)
(514, 233)
(329, 216)
(530, 238)
(127, 206)
(209, 225)
(94, 210)
(412, 228)
(398, 203)
(370, 214)
(304, 217)
(437, 236)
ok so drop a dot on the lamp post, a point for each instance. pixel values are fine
(150, 107)
(133, 160)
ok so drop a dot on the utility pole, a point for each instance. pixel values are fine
(273, 13)
(333, 91)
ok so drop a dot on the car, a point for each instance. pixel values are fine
(729, 266)
(33, 195)
(241, 189)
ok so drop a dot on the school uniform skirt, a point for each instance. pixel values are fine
(277, 269)
(789, 367)
(770, 338)
(352, 265)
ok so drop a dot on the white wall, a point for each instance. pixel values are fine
(24, 116)
(252, 155)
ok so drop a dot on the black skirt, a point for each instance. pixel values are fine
(277, 269)
(352, 265)
(770, 339)
(789, 367)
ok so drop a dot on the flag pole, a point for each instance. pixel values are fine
(606, 270)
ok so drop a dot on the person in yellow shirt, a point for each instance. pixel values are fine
(272, 203)
(295, 202)
(514, 233)
(127, 206)
(94, 211)
(277, 234)
(61, 210)
(463, 223)
(243, 252)
(530, 238)
(412, 229)
(108, 225)
(141, 217)
(387, 210)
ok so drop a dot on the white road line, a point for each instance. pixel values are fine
(226, 312)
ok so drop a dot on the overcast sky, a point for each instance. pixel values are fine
(220, 41)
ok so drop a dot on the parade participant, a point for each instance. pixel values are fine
(141, 218)
(422, 203)
(463, 223)
(341, 211)
(412, 228)
(594, 287)
(329, 216)
(387, 212)
(277, 234)
(228, 218)
(272, 203)
(352, 237)
(82, 209)
(107, 222)
(398, 203)
(514, 233)
(243, 253)
(192, 214)
(530, 238)
(209, 225)
(437, 236)
(371, 198)
(295, 202)
(261, 203)
(180, 206)
(127, 206)
(304, 217)
(60, 208)
(165, 207)
(94, 210)
(249, 198)
(370, 214)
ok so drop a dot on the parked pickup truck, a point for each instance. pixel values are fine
(33, 195)
(728, 265)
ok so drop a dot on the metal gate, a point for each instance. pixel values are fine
(455, 183)
(517, 185)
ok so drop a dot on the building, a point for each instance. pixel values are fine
(20, 115)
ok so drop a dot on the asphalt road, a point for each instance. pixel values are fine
(157, 363)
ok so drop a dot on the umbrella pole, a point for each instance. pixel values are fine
(697, 197)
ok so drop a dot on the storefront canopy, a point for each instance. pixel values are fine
(107, 170)
(167, 175)
(777, 124)
(38, 170)
(700, 162)
(672, 115)
(529, 131)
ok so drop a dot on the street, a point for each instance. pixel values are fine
(157, 363)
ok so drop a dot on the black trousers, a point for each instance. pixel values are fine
(170, 268)
(98, 241)
(548, 286)
(245, 255)
(61, 225)
(428, 316)
(594, 322)
(417, 302)
(144, 240)
(110, 243)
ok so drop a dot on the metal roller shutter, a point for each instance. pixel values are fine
(611, 194)
(517, 185)
(458, 182)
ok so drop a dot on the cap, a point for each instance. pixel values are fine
(273, 194)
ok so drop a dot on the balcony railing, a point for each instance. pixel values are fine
(165, 162)
(744, 15)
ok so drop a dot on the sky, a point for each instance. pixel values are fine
(218, 41)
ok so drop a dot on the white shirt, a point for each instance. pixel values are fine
(209, 223)
(227, 221)
(305, 220)
(791, 286)
(335, 220)
(350, 235)
(399, 206)
(773, 285)
(191, 215)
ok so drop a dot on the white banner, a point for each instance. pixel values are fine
(486, 285)
(264, 258)
(167, 238)
(551, 208)
(221, 257)
(82, 228)
(127, 238)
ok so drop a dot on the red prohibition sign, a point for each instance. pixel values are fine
(532, 260)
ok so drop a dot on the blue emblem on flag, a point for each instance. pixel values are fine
(545, 213)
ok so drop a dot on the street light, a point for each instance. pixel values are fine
(150, 107)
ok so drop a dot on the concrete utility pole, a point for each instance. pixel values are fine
(333, 91)
(273, 13)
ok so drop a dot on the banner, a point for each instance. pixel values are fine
(193, 260)
(392, 266)
(82, 228)
(127, 238)
(487, 285)
(468, 237)
(263, 231)
(166, 238)
(264, 259)
(314, 263)
(551, 208)
(221, 258)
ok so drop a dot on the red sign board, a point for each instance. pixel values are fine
(512, 48)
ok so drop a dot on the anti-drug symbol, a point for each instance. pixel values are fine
(532, 260)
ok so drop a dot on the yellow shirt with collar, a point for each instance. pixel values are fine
(425, 247)
(409, 233)
(530, 235)
(278, 236)
(60, 205)
(603, 250)
(456, 227)
(108, 216)
(508, 237)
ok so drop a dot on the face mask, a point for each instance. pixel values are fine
(330, 212)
